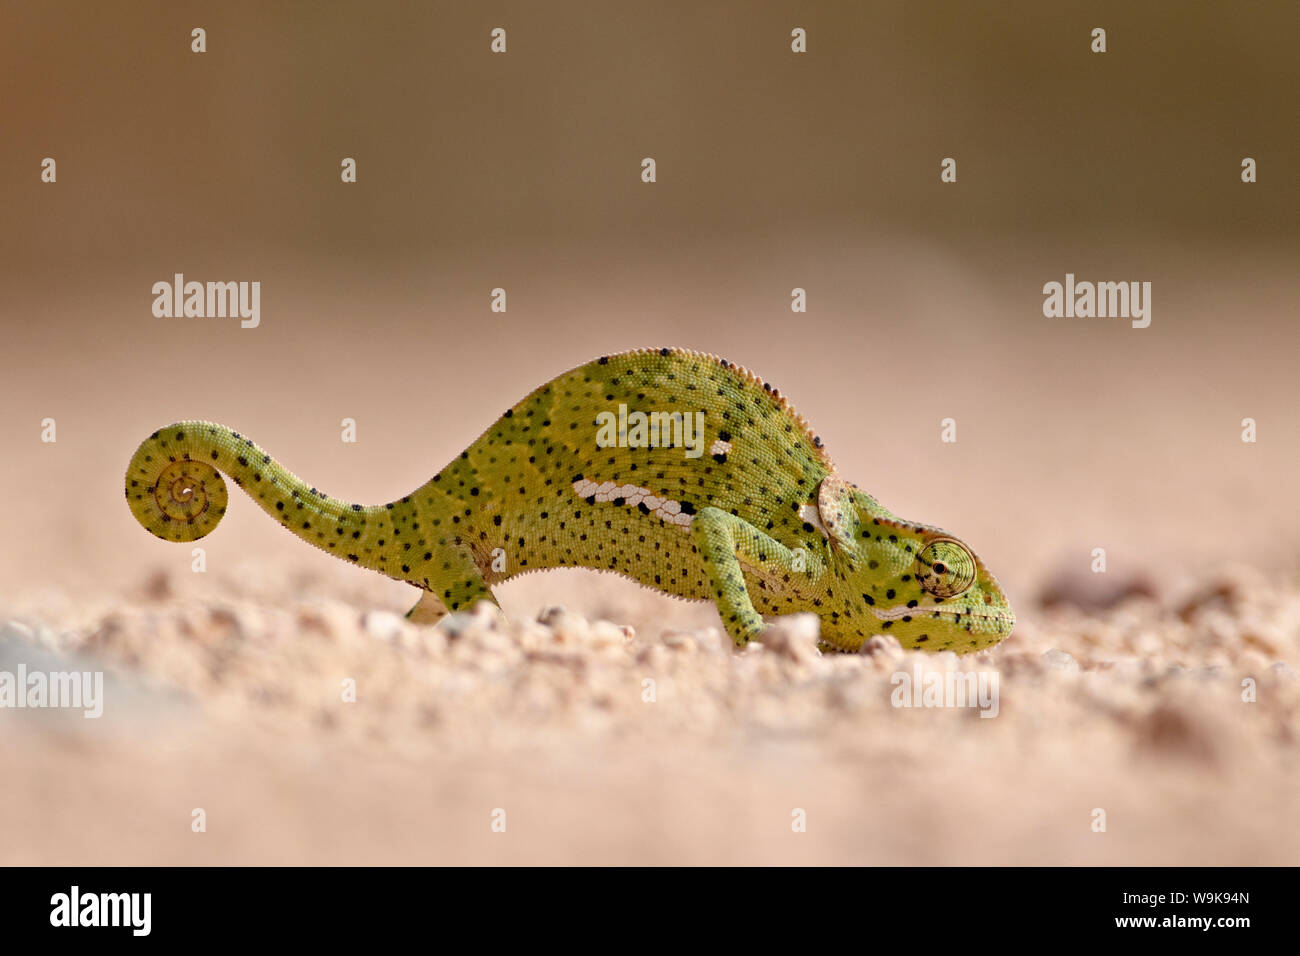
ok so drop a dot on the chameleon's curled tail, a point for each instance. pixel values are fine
(175, 489)
(171, 488)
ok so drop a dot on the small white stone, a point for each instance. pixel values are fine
(382, 625)
(795, 636)
(881, 645)
(550, 615)
(16, 630)
(1060, 661)
(680, 641)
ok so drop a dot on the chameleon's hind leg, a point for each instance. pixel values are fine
(454, 583)
(725, 543)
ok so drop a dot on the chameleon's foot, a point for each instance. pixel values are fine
(741, 637)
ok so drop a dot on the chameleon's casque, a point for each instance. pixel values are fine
(606, 467)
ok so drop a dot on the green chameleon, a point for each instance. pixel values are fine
(677, 469)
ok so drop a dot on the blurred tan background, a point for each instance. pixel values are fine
(775, 171)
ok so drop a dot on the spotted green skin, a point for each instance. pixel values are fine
(763, 525)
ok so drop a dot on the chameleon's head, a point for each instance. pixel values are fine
(916, 583)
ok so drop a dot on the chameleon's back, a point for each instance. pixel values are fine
(605, 466)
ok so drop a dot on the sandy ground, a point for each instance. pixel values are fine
(1132, 705)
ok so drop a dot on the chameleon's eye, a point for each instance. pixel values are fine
(945, 568)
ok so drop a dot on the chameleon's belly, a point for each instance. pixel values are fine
(663, 557)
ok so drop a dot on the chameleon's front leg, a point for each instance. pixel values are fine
(726, 545)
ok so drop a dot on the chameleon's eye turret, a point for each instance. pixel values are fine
(945, 568)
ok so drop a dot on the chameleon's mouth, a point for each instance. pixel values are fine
(1001, 618)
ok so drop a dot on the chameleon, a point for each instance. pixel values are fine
(678, 469)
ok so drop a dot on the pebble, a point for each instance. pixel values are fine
(383, 625)
(1058, 660)
(883, 646)
(795, 637)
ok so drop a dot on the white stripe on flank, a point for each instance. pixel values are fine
(632, 495)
